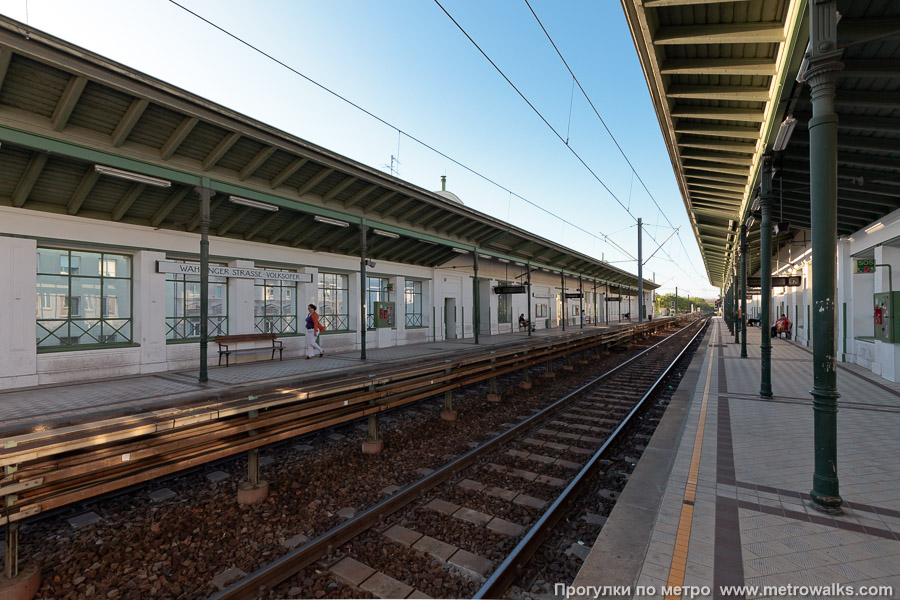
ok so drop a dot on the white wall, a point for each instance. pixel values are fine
(22, 231)
(18, 281)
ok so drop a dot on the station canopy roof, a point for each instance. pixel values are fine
(64, 110)
(723, 77)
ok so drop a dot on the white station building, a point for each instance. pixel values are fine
(101, 173)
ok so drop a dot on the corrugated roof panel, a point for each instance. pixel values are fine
(271, 225)
(32, 86)
(149, 202)
(100, 108)
(350, 191)
(201, 141)
(240, 154)
(58, 181)
(274, 165)
(326, 186)
(304, 174)
(184, 211)
(223, 212)
(105, 195)
(13, 162)
(155, 126)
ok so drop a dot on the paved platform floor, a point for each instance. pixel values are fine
(62, 403)
(720, 496)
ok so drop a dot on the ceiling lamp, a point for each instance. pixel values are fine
(131, 176)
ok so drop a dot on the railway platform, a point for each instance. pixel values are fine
(720, 497)
(67, 403)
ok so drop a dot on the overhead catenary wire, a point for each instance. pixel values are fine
(559, 136)
(602, 237)
(613, 137)
(400, 131)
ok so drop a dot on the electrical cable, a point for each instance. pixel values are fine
(558, 135)
(603, 237)
(613, 137)
(400, 131)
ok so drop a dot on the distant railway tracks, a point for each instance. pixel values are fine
(541, 463)
(47, 470)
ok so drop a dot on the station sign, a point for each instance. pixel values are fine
(239, 272)
(865, 265)
(614, 299)
(789, 281)
(510, 289)
(574, 295)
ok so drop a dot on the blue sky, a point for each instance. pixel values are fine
(405, 61)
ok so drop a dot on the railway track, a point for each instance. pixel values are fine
(538, 465)
(46, 470)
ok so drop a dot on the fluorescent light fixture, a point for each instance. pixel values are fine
(130, 176)
(252, 203)
(804, 64)
(460, 250)
(383, 233)
(330, 221)
(503, 260)
(429, 242)
(784, 133)
(876, 227)
(518, 264)
(484, 256)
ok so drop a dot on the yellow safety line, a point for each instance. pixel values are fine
(683, 537)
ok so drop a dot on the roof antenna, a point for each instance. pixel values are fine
(27, 36)
(395, 170)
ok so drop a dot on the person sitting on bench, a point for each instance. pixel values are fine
(525, 323)
(781, 325)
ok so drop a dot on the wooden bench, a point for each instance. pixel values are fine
(227, 345)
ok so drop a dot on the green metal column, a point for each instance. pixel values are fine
(363, 284)
(640, 261)
(606, 305)
(824, 66)
(581, 300)
(765, 277)
(528, 290)
(205, 195)
(564, 307)
(476, 301)
(743, 292)
(737, 304)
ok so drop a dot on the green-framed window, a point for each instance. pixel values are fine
(334, 301)
(376, 291)
(413, 293)
(275, 309)
(504, 306)
(183, 306)
(540, 311)
(83, 298)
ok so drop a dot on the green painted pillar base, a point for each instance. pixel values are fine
(825, 493)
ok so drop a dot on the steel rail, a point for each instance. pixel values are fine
(15, 449)
(504, 575)
(284, 567)
(52, 481)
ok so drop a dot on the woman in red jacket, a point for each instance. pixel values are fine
(313, 329)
